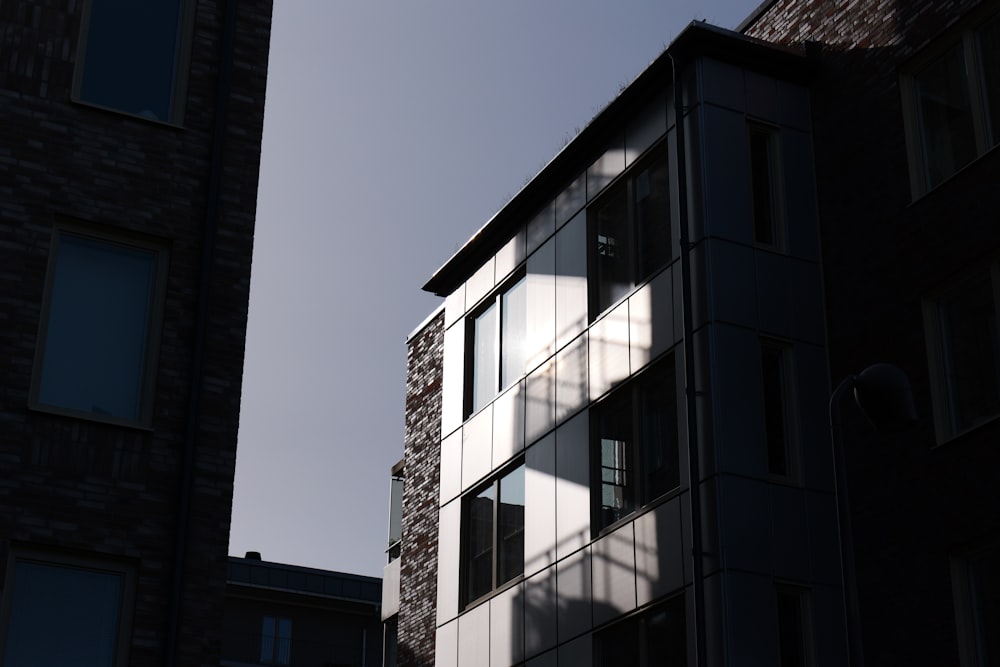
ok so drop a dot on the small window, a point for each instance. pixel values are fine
(964, 352)
(779, 410)
(764, 180)
(493, 541)
(953, 115)
(97, 341)
(656, 638)
(498, 332)
(276, 640)
(794, 626)
(635, 444)
(976, 582)
(629, 228)
(62, 611)
(130, 57)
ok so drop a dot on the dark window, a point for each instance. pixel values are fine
(129, 56)
(62, 614)
(764, 182)
(794, 648)
(656, 638)
(965, 353)
(635, 443)
(498, 336)
(98, 333)
(629, 232)
(276, 640)
(955, 98)
(978, 607)
(494, 534)
(779, 427)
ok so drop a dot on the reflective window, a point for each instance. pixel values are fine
(129, 59)
(629, 230)
(276, 640)
(635, 443)
(493, 540)
(498, 334)
(95, 347)
(764, 182)
(955, 98)
(655, 638)
(63, 614)
(968, 352)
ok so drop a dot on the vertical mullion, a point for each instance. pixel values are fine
(498, 346)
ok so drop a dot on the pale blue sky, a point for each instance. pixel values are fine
(393, 131)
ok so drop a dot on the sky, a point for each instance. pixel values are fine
(392, 132)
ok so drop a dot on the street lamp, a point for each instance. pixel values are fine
(884, 394)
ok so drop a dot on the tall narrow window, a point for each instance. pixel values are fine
(498, 354)
(794, 637)
(494, 535)
(976, 581)
(635, 444)
(764, 185)
(276, 640)
(964, 350)
(130, 57)
(779, 430)
(953, 103)
(99, 328)
(629, 232)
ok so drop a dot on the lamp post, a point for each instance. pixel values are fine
(884, 394)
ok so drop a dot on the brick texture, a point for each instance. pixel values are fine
(422, 458)
(73, 485)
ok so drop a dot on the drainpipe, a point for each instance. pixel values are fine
(689, 374)
(209, 229)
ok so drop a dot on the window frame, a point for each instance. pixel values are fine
(610, 635)
(155, 323)
(775, 185)
(494, 300)
(73, 561)
(946, 426)
(633, 392)
(638, 274)
(497, 586)
(181, 73)
(964, 35)
(791, 444)
(277, 640)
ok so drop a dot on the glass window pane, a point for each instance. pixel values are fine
(651, 203)
(131, 56)
(791, 629)
(659, 432)
(480, 545)
(970, 349)
(984, 593)
(612, 248)
(484, 383)
(513, 335)
(99, 316)
(988, 38)
(284, 641)
(63, 616)
(666, 636)
(267, 639)
(948, 133)
(762, 177)
(511, 539)
(774, 394)
(614, 433)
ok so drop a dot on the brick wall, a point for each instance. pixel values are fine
(421, 494)
(69, 484)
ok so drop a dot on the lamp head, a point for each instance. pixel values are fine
(885, 396)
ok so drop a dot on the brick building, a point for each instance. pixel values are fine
(128, 175)
(618, 424)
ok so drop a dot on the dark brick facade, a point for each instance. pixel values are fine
(915, 505)
(421, 494)
(72, 485)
